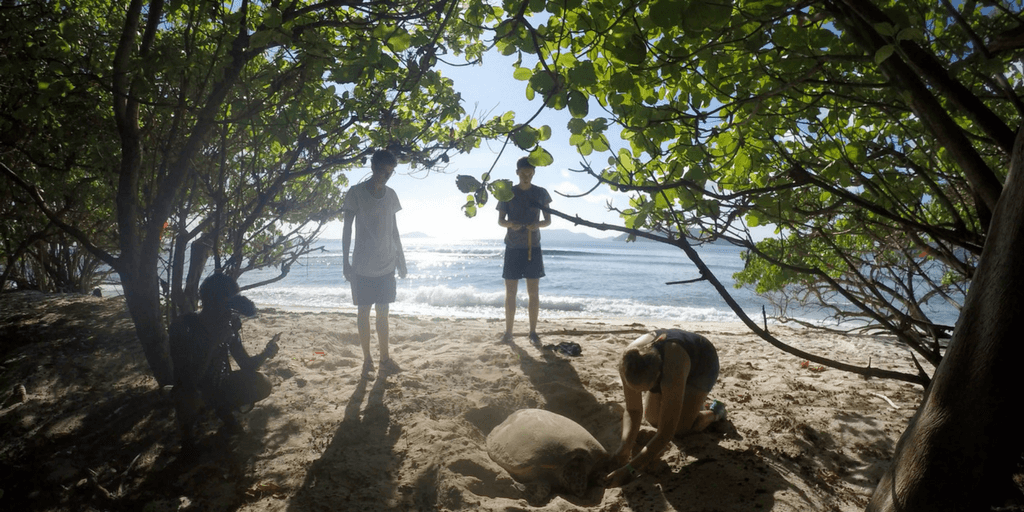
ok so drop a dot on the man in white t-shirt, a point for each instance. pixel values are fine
(371, 206)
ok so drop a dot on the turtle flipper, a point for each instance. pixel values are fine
(537, 492)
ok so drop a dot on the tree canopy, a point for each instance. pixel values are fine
(163, 135)
(873, 137)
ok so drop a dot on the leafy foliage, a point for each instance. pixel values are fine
(52, 132)
(220, 131)
(871, 136)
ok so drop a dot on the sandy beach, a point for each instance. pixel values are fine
(92, 432)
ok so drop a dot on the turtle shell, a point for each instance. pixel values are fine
(545, 449)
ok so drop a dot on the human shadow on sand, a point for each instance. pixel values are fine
(123, 454)
(558, 382)
(344, 476)
(720, 479)
(96, 434)
(564, 393)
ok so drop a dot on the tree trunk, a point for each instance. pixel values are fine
(960, 449)
(142, 293)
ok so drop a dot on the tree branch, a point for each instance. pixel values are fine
(37, 198)
(691, 253)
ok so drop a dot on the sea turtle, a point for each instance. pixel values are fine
(543, 451)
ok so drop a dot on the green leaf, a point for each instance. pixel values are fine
(667, 13)
(501, 190)
(467, 184)
(635, 50)
(582, 75)
(470, 207)
(855, 152)
(576, 126)
(884, 53)
(540, 157)
(911, 34)
(525, 138)
(885, 29)
(579, 104)
(542, 82)
(400, 41)
(544, 132)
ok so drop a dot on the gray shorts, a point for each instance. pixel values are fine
(367, 291)
(703, 377)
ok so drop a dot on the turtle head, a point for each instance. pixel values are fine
(576, 473)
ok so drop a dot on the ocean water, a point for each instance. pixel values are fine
(584, 278)
(591, 278)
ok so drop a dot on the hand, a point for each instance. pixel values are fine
(271, 350)
(622, 458)
(620, 477)
(347, 272)
(402, 271)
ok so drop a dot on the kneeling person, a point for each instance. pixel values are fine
(200, 344)
(676, 370)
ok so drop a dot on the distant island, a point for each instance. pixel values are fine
(564, 235)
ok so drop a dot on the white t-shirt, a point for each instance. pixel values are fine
(377, 247)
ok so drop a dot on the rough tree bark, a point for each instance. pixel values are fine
(961, 446)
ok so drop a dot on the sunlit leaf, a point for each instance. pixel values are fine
(467, 184)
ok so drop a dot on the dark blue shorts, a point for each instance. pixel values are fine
(519, 266)
(367, 291)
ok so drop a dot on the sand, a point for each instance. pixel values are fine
(92, 432)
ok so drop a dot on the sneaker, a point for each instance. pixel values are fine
(534, 339)
(506, 338)
(389, 366)
(718, 408)
(368, 370)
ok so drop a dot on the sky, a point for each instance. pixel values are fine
(431, 203)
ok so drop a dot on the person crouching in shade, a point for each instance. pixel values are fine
(676, 369)
(200, 344)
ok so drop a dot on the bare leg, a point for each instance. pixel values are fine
(692, 418)
(363, 324)
(533, 290)
(511, 289)
(383, 332)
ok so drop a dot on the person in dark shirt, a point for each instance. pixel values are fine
(200, 345)
(521, 216)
